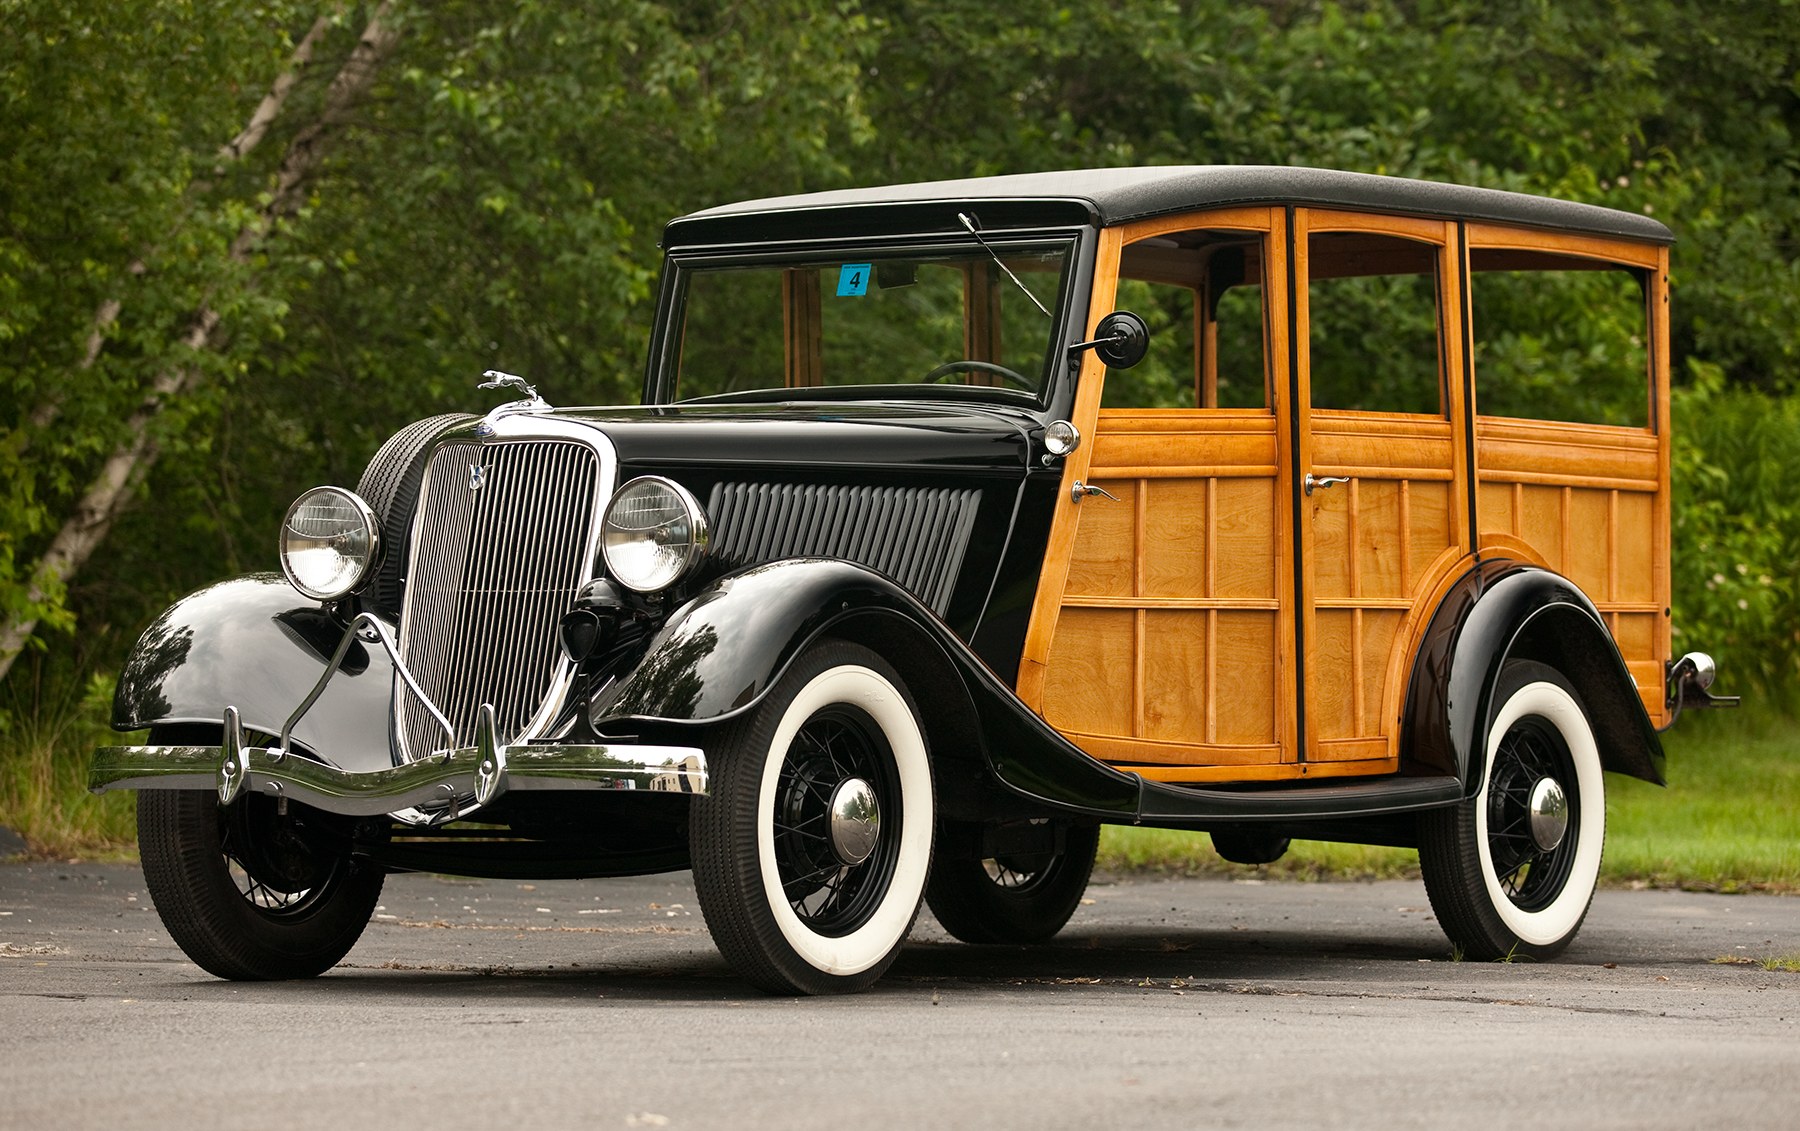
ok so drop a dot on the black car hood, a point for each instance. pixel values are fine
(896, 436)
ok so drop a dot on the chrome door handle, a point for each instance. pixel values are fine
(1313, 482)
(1083, 490)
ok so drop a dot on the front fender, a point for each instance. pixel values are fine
(719, 654)
(257, 644)
(1503, 610)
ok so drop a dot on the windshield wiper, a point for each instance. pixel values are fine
(973, 224)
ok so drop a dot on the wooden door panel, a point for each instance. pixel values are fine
(1088, 686)
(1375, 542)
(1167, 651)
(1166, 644)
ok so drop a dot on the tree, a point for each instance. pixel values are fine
(136, 450)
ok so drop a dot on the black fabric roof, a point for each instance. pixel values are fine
(1115, 196)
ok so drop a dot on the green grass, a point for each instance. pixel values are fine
(46, 746)
(1729, 820)
(1785, 963)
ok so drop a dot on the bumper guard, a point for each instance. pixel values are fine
(449, 784)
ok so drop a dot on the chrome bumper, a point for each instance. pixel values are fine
(443, 787)
(1688, 683)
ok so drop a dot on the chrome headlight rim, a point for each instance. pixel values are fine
(370, 528)
(694, 551)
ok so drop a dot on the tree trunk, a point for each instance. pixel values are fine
(45, 414)
(270, 107)
(92, 519)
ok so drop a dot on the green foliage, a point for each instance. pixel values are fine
(1726, 820)
(1736, 532)
(496, 202)
(1532, 360)
(112, 116)
(1375, 344)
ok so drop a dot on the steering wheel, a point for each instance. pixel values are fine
(990, 367)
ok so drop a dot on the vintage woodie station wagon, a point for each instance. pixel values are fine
(958, 520)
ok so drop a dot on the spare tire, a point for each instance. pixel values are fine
(390, 485)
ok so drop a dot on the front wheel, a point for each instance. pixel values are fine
(1014, 897)
(1511, 871)
(249, 892)
(812, 846)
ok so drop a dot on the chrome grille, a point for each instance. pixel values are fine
(915, 535)
(494, 567)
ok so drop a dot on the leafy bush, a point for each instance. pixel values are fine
(1736, 536)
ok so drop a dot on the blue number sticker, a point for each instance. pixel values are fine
(853, 280)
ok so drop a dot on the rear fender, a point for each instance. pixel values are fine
(1503, 610)
(257, 644)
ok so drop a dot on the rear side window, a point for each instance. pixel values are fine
(1559, 338)
(1373, 324)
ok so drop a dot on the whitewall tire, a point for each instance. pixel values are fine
(812, 849)
(1511, 871)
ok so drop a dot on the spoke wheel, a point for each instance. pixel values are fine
(1014, 897)
(838, 761)
(1532, 760)
(812, 847)
(247, 892)
(1511, 871)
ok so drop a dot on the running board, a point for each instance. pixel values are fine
(1160, 804)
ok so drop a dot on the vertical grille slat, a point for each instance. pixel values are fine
(493, 570)
(917, 536)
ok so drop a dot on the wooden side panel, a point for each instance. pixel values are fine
(1168, 649)
(801, 329)
(1588, 502)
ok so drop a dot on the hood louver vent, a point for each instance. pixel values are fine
(917, 536)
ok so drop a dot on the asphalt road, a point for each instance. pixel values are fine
(1166, 1003)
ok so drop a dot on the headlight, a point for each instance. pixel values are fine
(328, 542)
(652, 533)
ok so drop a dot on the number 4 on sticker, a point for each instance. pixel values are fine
(853, 280)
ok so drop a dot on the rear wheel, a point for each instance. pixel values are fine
(1014, 897)
(812, 846)
(247, 892)
(1511, 871)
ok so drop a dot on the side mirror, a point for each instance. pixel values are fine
(1122, 340)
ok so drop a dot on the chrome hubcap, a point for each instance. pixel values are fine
(1549, 814)
(855, 821)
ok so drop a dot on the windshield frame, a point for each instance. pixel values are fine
(682, 264)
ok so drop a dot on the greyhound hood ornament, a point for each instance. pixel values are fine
(530, 402)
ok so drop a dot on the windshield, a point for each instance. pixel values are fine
(937, 318)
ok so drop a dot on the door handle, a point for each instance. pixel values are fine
(1083, 490)
(1313, 482)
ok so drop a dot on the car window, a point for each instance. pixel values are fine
(1201, 294)
(1373, 323)
(937, 317)
(1559, 338)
